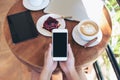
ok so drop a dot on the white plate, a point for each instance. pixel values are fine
(80, 41)
(28, 5)
(42, 19)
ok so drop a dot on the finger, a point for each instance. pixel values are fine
(61, 63)
(50, 47)
(50, 50)
(70, 50)
(47, 53)
(55, 62)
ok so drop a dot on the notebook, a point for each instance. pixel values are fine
(22, 26)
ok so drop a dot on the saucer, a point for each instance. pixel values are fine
(41, 21)
(28, 5)
(77, 39)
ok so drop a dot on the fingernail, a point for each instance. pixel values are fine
(49, 44)
(69, 45)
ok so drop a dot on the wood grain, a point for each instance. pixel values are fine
(10, 67)
(31, 52)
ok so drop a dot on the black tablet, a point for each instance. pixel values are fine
(22, 26)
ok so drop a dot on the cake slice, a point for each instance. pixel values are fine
(50, 24)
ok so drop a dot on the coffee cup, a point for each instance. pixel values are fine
(35, 2)
(88, 30)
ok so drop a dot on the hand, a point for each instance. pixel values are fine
(66, 66)
(49, 64)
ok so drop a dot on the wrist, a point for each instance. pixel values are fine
(72, 74)
(70, 71)
(44, 73)
(47, 71)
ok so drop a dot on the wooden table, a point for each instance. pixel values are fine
(31, 52)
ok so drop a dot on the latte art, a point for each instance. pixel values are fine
(89, 29)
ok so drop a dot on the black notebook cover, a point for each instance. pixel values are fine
(22, 26)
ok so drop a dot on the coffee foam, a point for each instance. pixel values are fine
(89, 28)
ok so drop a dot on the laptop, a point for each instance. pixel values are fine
(78, 9)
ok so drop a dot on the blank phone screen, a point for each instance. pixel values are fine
(59, 44)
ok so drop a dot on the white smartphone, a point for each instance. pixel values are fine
(60, 42)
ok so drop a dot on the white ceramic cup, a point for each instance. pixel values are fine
(88, 30)
(35, 2)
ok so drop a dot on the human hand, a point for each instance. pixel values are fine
(68, 65)
(49, 64)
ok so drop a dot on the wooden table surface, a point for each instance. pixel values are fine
(31, 52)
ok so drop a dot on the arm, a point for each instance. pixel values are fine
(72, 75)
(45, 74)
(49, 65)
